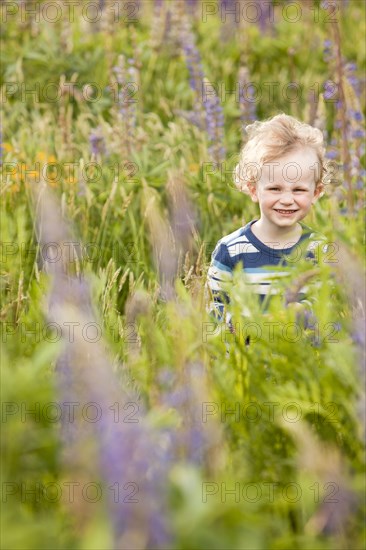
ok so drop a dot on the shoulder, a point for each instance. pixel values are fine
(221, 255)
(227, 240)
(232, 237)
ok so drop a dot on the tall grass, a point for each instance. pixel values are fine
(138, 195)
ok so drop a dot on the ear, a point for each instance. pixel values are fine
(319, 191)
(252, 188)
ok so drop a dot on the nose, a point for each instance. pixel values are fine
(286, 198)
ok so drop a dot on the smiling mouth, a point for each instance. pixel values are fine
(285, 211)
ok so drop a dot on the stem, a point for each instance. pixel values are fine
(345, 152)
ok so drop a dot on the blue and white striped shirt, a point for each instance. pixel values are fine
(261, 264)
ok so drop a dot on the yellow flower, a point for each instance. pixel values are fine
(27, 172)
(14, 188)
(71, 180)
(41, 155)
(7, 147)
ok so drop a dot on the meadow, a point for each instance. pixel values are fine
(130, 419)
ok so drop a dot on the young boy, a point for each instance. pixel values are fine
(281, 168)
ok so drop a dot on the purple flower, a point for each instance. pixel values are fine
(353, 80)
(214, 126)
(264, 19)
(328, 52)
(119, 451)
(193, 440)
(247, 101)
(350, 66)
(192, 6)
(357, 115)
(194, 65)
(127, 80)
(210, 109)
(97, 144)
(358, 134)
(329, 89)
(350, 69)
(159, 3)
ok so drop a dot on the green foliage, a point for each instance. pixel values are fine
(273, 402)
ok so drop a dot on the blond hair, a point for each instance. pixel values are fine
(271, 139)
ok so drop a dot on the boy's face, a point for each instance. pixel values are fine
(286, 189)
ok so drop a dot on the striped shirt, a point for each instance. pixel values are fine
(262, 263)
